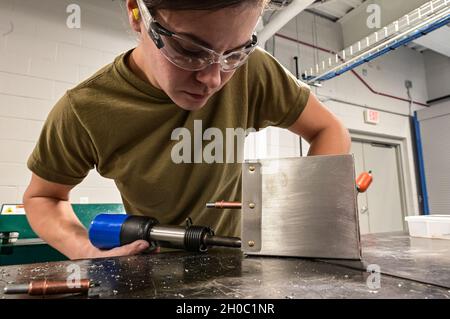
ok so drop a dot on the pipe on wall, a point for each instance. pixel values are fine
(353, 71)
(324, 98)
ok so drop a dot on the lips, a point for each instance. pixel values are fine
(197, 96)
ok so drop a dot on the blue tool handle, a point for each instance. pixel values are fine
(105, 230)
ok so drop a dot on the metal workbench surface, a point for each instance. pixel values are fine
(414, 268)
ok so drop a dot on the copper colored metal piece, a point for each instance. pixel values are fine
(47, 287)
(223, 205)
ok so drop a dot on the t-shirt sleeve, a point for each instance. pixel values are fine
(64, 153)
(277, 97)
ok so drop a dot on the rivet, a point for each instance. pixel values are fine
(251, 243)
(251, 168)
(251, 205)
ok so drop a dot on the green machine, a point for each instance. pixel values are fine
(20, 245)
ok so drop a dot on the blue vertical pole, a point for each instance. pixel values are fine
(423, 184)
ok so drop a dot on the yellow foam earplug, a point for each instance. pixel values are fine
(136, 14)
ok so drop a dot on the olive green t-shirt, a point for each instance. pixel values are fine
(122, 126)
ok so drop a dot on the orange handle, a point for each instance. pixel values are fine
(363, 181)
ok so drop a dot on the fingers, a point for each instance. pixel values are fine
(127, 250)
(152, 250)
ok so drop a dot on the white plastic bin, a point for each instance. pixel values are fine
(429, 226)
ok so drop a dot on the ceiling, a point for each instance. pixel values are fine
(337, 9)
(334, 9)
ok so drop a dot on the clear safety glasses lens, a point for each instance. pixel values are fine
(192, 57)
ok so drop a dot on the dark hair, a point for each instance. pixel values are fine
(199, 4)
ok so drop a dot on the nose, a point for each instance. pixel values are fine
(210, 76)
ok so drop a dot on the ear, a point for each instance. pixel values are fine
(133, 17)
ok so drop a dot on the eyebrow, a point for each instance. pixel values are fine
(206, 44)
(200, 41)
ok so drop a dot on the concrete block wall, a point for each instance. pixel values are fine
(314, 30)
(40, 58)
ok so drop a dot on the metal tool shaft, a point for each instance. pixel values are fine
(16, 289)
(176, 237)
(223, 241)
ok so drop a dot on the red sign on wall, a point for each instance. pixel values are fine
(371, 116)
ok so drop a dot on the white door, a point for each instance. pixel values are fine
(358, 153)
(380, 208)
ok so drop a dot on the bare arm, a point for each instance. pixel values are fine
(323, 130)
(51, 216)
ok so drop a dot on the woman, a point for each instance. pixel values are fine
(196, 63)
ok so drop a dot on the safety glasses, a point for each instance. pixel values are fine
(188, 54)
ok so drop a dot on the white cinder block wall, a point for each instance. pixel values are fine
(40, 58)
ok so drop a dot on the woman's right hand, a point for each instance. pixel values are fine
(135, 248)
